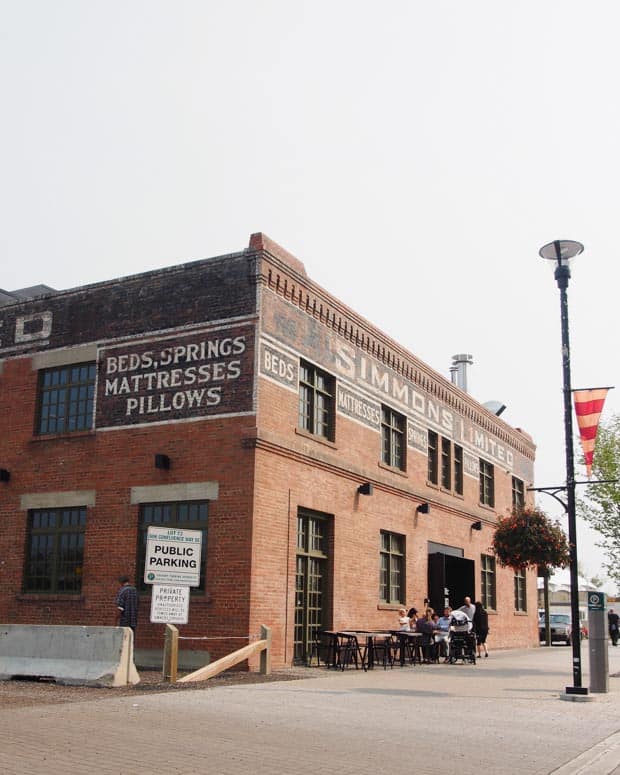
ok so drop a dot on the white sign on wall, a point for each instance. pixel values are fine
(169, 605)
(172, 556)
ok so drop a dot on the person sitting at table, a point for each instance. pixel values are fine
(412, 613)
(425, 626)
(404, 623)
(442, 634)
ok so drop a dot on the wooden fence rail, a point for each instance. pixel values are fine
(171, 657)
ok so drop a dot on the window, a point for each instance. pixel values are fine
(66, 398)
(392, 568)
(392, 438)
(446, 464)
(487, 483)
(186, 515)
(458, 469)
(520, 596)
(55, 550)
(432, 457)
(316, 401)
(487, 581)
(518, 494)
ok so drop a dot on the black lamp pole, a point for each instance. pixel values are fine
(561, 251)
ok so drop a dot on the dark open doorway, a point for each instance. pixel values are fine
(450, 579)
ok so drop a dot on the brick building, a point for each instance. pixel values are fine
(333, 474)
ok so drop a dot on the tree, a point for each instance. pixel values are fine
(599, 504)
(527, 537)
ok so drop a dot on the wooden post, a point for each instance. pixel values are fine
(171, 653)
(265, 655)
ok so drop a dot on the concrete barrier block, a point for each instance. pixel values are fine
(82, 656)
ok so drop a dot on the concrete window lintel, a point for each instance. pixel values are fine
(52, 500)
(167, 493)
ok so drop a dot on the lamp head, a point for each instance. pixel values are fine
(561, 252)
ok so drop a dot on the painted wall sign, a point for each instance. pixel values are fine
(27, 329)
(471, 466)
(279, 366)
(309, 336)
(417, 437)
(207, 372)
(358, 407)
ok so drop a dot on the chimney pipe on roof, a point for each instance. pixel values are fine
(458, 370)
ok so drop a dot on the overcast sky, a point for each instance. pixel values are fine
(414, 155)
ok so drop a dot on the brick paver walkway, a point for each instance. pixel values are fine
(503, 715)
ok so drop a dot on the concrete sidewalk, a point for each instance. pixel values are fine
(503, 715)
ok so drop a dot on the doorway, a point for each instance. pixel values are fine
(451, 577)
(311, 600)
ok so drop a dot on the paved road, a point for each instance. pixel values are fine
(503, 715)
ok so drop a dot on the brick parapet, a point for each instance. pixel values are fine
(285, 278)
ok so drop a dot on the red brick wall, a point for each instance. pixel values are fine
(111, 463)
(295, 471)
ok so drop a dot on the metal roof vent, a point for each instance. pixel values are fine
(458, 370)
(495, 407)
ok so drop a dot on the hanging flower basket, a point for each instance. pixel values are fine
(528, 538)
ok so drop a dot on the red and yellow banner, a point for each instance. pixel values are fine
(588, 408)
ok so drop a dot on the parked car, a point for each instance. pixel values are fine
(560, 628)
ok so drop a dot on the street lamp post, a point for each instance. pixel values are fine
(561, 252)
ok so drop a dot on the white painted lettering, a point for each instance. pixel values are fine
(40, 325)
(345, 360)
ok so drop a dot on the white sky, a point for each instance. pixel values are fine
(414, 155)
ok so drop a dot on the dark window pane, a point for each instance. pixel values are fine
(391, 568)
(393, 427)
(487, 483)
(433, 458)
(70, 407)
(316, 401)
(54, 555)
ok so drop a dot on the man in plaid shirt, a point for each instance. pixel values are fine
(127, 604)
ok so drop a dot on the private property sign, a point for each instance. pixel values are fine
(172, 556)
(169, 605)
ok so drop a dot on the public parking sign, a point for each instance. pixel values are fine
(596, 601)
(172, 556)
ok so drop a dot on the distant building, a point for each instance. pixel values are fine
(559, 594)
(334, 476)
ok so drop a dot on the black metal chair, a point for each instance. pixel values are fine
(409, 648)
(349, 651)
(384, 650)
(324, 649)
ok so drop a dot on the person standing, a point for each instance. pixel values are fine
(468, 608)
(127, 604)
(613, 621)
(426, 626)
(481, 628)
(403, 620)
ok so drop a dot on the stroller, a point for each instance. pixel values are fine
(462, 642)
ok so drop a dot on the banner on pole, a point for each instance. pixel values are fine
(588, 408)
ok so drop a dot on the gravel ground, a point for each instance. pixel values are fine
(28, 693)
